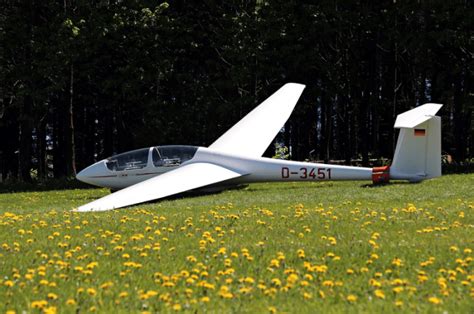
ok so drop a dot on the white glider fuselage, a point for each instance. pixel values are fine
(259, 169)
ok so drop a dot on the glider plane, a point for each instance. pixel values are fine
(235, 158)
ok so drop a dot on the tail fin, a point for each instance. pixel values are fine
(418, 152)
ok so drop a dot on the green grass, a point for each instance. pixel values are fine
(288, 247)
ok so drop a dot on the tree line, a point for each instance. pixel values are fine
(82, 80)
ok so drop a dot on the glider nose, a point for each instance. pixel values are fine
(91, 174)
(85, 175)
(81, 176)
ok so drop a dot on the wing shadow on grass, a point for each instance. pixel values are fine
(188, 194)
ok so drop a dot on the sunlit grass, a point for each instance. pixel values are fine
(293, 247)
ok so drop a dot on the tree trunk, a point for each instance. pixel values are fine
(25, 130)
(41, 150)
(70, 153)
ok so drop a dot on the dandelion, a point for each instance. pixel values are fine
(272, 309)
(351, 298)
(9, 283)
(91, 291)
(191, 259)
(397, 262)
(123, 294)
(328, 283)
(379, 294)
(50, 310)
(374, 283)
(70, 302)
(106, 285)
(435, 300)
(225, 293)
(276, 282)
(39, 304)
(274, 263)
(307, 296)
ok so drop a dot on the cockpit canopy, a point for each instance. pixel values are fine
(159, 156)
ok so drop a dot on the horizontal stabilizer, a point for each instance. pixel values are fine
(417, 116)
(184, 178)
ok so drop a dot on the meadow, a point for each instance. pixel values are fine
(326, 247)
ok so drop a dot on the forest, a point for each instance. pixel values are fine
(82, 80)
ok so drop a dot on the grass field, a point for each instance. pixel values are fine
(290, 247)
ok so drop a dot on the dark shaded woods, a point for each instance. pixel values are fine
(81, 80)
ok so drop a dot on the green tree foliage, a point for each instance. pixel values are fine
(82, 80)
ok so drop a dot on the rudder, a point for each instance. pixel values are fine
(418, 153)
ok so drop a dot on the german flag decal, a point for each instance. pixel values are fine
(419, 132)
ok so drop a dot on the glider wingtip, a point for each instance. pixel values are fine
(295, 85)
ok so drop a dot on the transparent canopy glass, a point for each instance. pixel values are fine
(135, 159)
(161, 156)
(172, 155)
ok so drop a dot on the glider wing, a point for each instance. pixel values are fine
(184, 178)
(252, 135)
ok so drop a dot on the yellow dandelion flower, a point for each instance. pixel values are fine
(293, 278)
(328, 283)
(9, 283)
(435, 300)
(39, 304)
(123, 294)
(351, 298)
(375, 283)
(50, 310)
(276, 282)
(191, 259)
(275, 263)
(397, 262)
(70, 302)
(379, 294)
(91, 291)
